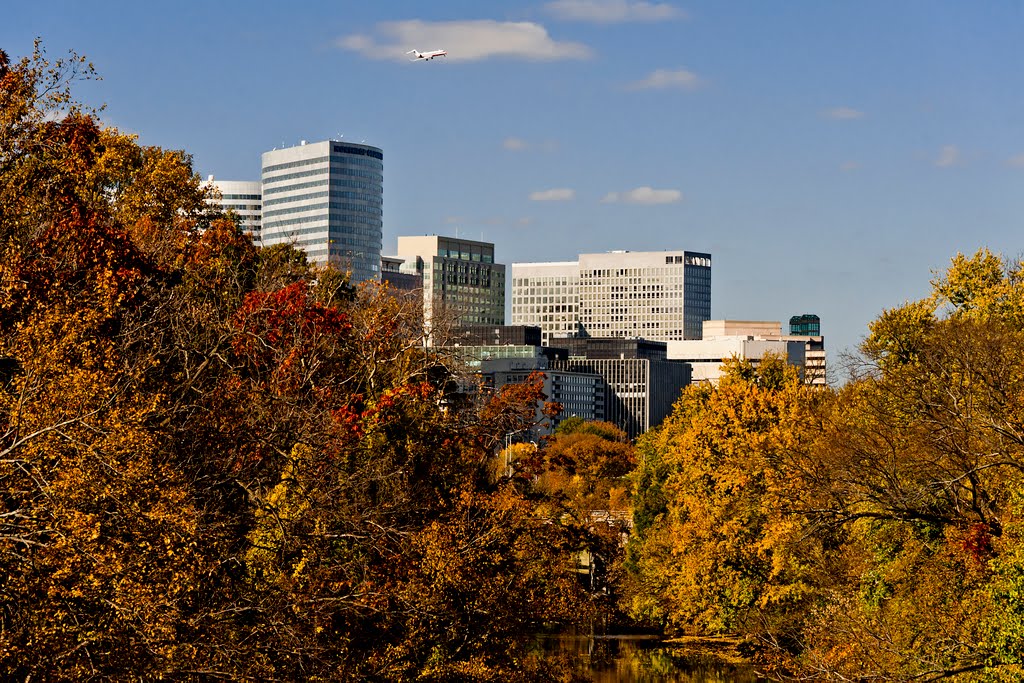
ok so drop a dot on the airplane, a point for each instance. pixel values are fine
(430, 54)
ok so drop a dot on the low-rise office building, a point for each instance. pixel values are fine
(747, 340)
(641, 383)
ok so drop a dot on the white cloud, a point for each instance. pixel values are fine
(514, 144)
(643, 195)
(843, 114)
(613, 11)
(663, 79)
(464, 40)
(949, 156)
(1017, 161)
(558, 194)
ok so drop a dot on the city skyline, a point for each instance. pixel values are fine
(830, 157)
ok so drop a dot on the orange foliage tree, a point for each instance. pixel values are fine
(217, 461)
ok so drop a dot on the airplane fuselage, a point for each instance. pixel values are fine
(428, 55)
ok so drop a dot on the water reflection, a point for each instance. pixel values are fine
(640, 659)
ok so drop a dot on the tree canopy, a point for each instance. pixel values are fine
(220, 462)
(866, 533)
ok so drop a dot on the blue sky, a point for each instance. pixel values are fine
(830, 156)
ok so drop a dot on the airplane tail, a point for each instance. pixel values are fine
(413, 52)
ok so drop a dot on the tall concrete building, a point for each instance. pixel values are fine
(660, 295)
(326, 198)
(244, 198)
(462, 285)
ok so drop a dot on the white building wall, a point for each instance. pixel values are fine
(661, 295)
(244, 198)
(707, 356)
(326, 198)
(546, 295)
(734, 328)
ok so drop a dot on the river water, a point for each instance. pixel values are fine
(643, 659)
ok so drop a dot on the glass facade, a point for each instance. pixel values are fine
(806, 325)
(462, 285)
(327, 199)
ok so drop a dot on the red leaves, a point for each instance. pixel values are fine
(272, 318)
(360, 414)
(976, 543)
(286, 332)
(79, 256)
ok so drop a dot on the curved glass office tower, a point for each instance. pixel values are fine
(326, 198)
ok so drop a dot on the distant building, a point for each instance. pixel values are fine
(713, 329)
(579, 393)
(244, 198)
(391, 272)
(462, 285)
(641, 383)
(651, 295)
(495, 335)
(749, 340)
(806, 325)
(326, 198)
(547, 295)
(511, 356)
(808, 328)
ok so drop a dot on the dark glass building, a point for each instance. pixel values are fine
(806, 325)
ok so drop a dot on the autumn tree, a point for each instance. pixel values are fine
(920, 468)
(865, 534)
(219, 461)
(712, 551)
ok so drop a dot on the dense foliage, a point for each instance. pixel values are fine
(220, 462)
(867, 533)
(217, 461)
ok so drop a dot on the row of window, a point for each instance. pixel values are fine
(347, 161)
(342, 220)
(372, 200)
(362, 151)
(355, 208)
(333, 182)
(334, 172)
(241, 196)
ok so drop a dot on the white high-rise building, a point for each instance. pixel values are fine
(244, 198)
(326, 198)
(660, 295)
